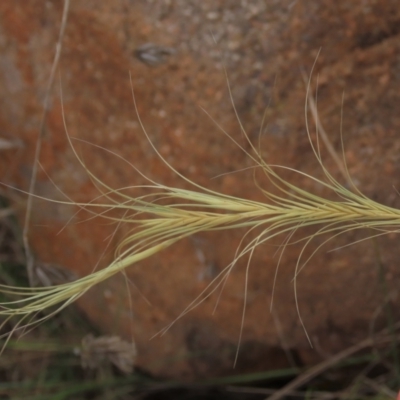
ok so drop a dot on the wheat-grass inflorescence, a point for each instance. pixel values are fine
(167, 214)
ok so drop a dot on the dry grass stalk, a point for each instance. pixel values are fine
(29, 256)
(318, 369)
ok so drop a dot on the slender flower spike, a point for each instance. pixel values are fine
(168, 214)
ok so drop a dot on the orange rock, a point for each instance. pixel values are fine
(338, 291)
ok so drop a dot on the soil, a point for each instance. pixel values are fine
(183, 100)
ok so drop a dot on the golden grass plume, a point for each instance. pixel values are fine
(168, 214)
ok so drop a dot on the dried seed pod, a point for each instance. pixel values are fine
(96, 352)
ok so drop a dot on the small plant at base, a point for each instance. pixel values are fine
(169, 214)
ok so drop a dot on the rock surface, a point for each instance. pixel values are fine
(266, 46)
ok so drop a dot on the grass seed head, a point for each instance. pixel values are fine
(168, 214)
